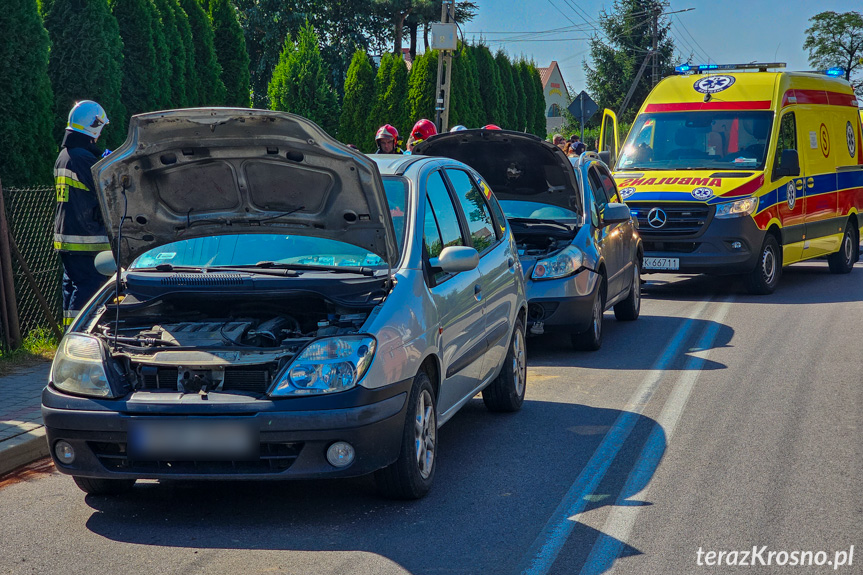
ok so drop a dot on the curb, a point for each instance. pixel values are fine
(23, 449)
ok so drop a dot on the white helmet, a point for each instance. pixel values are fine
(458, 128)
(87, 117)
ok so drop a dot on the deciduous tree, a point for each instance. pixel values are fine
(836, 39)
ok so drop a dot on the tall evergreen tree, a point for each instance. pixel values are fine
(354, 125)
(210, 88)
(301, 82)
(380, 111)
(86, 62)
(163, 60)
(231, 52)
(510, 121)
(520, 98)
(421, 86)
(26, 146)
(176, 52)
(143, 85)
(539, 122)
(396, 96)
(617, 55)
(466, 106)
(529, 96)
(490, 85)
(191, 68)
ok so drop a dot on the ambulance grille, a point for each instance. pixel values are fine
(681, 219)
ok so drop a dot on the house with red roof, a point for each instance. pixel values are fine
(556, 96)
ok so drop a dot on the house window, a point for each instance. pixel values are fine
(554, 111)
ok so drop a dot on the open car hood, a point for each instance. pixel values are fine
(515, 165)
(212, 171)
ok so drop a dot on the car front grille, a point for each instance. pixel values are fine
(250, 380)
(676, 247)
(681, 219)
(273, 458)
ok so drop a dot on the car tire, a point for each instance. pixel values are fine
(591, 338)
(411, 475)
(99, 486)
(506, 392)
(630, 308)
(765, 277)
(842, 262)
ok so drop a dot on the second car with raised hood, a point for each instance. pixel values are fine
(577, 242)
(277, 314)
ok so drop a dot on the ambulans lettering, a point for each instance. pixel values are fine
(685, 181)
(715, 182)
(700, 181)
(713, 84)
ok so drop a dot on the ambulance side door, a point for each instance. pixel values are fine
(819, 188)
(789, 184)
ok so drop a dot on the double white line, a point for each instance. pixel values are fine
(548, 544)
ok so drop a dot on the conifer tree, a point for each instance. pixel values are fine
(466, 106)
(520, 99)
(490, 85)
(380, 112)
(143, 75)
(529, 96)
(176, 52)
(209, 86)
(396, 96)
(421, 86)
(86, 63)
(539, 122)
(301, 82)
(510, 94)
(163, 60)
(27, 148)
(231, 52)
(191, 74)
(354, 125)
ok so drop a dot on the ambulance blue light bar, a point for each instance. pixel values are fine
(836, 72)
(702, 68)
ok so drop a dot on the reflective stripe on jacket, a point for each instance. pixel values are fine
(78, 223)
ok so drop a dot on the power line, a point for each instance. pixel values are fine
(694, 40)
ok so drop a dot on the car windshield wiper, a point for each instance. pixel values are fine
(170, 268)
(265, 265)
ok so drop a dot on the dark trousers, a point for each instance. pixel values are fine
(80, 282)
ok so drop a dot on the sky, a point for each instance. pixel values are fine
(723, 31)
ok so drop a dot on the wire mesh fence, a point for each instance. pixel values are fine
(30, 213)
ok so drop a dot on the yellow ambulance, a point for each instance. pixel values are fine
(734, 172)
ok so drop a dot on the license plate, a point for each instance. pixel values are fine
(662, 263)
(192, 440)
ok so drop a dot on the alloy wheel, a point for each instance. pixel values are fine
(425, 431)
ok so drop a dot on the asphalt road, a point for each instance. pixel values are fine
(718, 421)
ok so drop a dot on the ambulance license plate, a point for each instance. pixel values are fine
(662, 263)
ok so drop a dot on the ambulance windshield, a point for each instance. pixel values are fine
(697, 141)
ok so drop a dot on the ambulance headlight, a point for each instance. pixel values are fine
(743, 207)
(79, 367)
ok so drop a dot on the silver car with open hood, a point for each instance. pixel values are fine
(278, 313)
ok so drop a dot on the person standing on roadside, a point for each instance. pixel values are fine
(558, 141)
(422, 130)
(79, 232)
(387, 140)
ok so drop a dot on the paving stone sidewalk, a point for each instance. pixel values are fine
(22, 436)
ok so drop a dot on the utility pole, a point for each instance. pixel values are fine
(444, 72)
(654, 72)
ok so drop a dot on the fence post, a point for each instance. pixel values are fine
(10, 316)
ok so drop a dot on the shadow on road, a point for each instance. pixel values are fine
(499, 479)
(805, 283)
(634, 345)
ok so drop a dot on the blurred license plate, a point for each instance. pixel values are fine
(192, 440)
(662, 263)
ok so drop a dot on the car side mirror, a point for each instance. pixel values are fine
(105, 263)
(789, 164)
(605, 156)
(615, 213)
(454, 259)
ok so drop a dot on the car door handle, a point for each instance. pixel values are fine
(510, 262)
(477, 289)
(810, 182)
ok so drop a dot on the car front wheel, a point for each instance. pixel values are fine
(765, 277)
(98, 486)
(411, 475)
(628, 309)
(506, 392)
(591, 339)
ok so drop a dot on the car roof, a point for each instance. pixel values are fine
(394, 164)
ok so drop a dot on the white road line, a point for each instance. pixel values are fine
(622, 517)
(547, 545)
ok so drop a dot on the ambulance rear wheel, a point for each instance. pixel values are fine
(765, 277)
(842, 261)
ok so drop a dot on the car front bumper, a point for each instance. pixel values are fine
(294, 434)
(563, 305)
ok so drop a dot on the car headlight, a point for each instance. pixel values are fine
(736, 208)
(561, 265)
(79, 367)
(327, 365)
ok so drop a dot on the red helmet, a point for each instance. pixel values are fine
(423, 130)
(491, 127)
(387, 129)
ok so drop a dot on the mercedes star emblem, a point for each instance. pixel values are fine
(656, 218)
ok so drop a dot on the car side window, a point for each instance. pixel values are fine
(476, 211)
(787, 140)
(441, 226)
(496, 210)
(608, 186)
(599, 199)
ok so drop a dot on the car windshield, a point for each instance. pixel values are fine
(249, 249)
(697, 140)
(535, 211)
